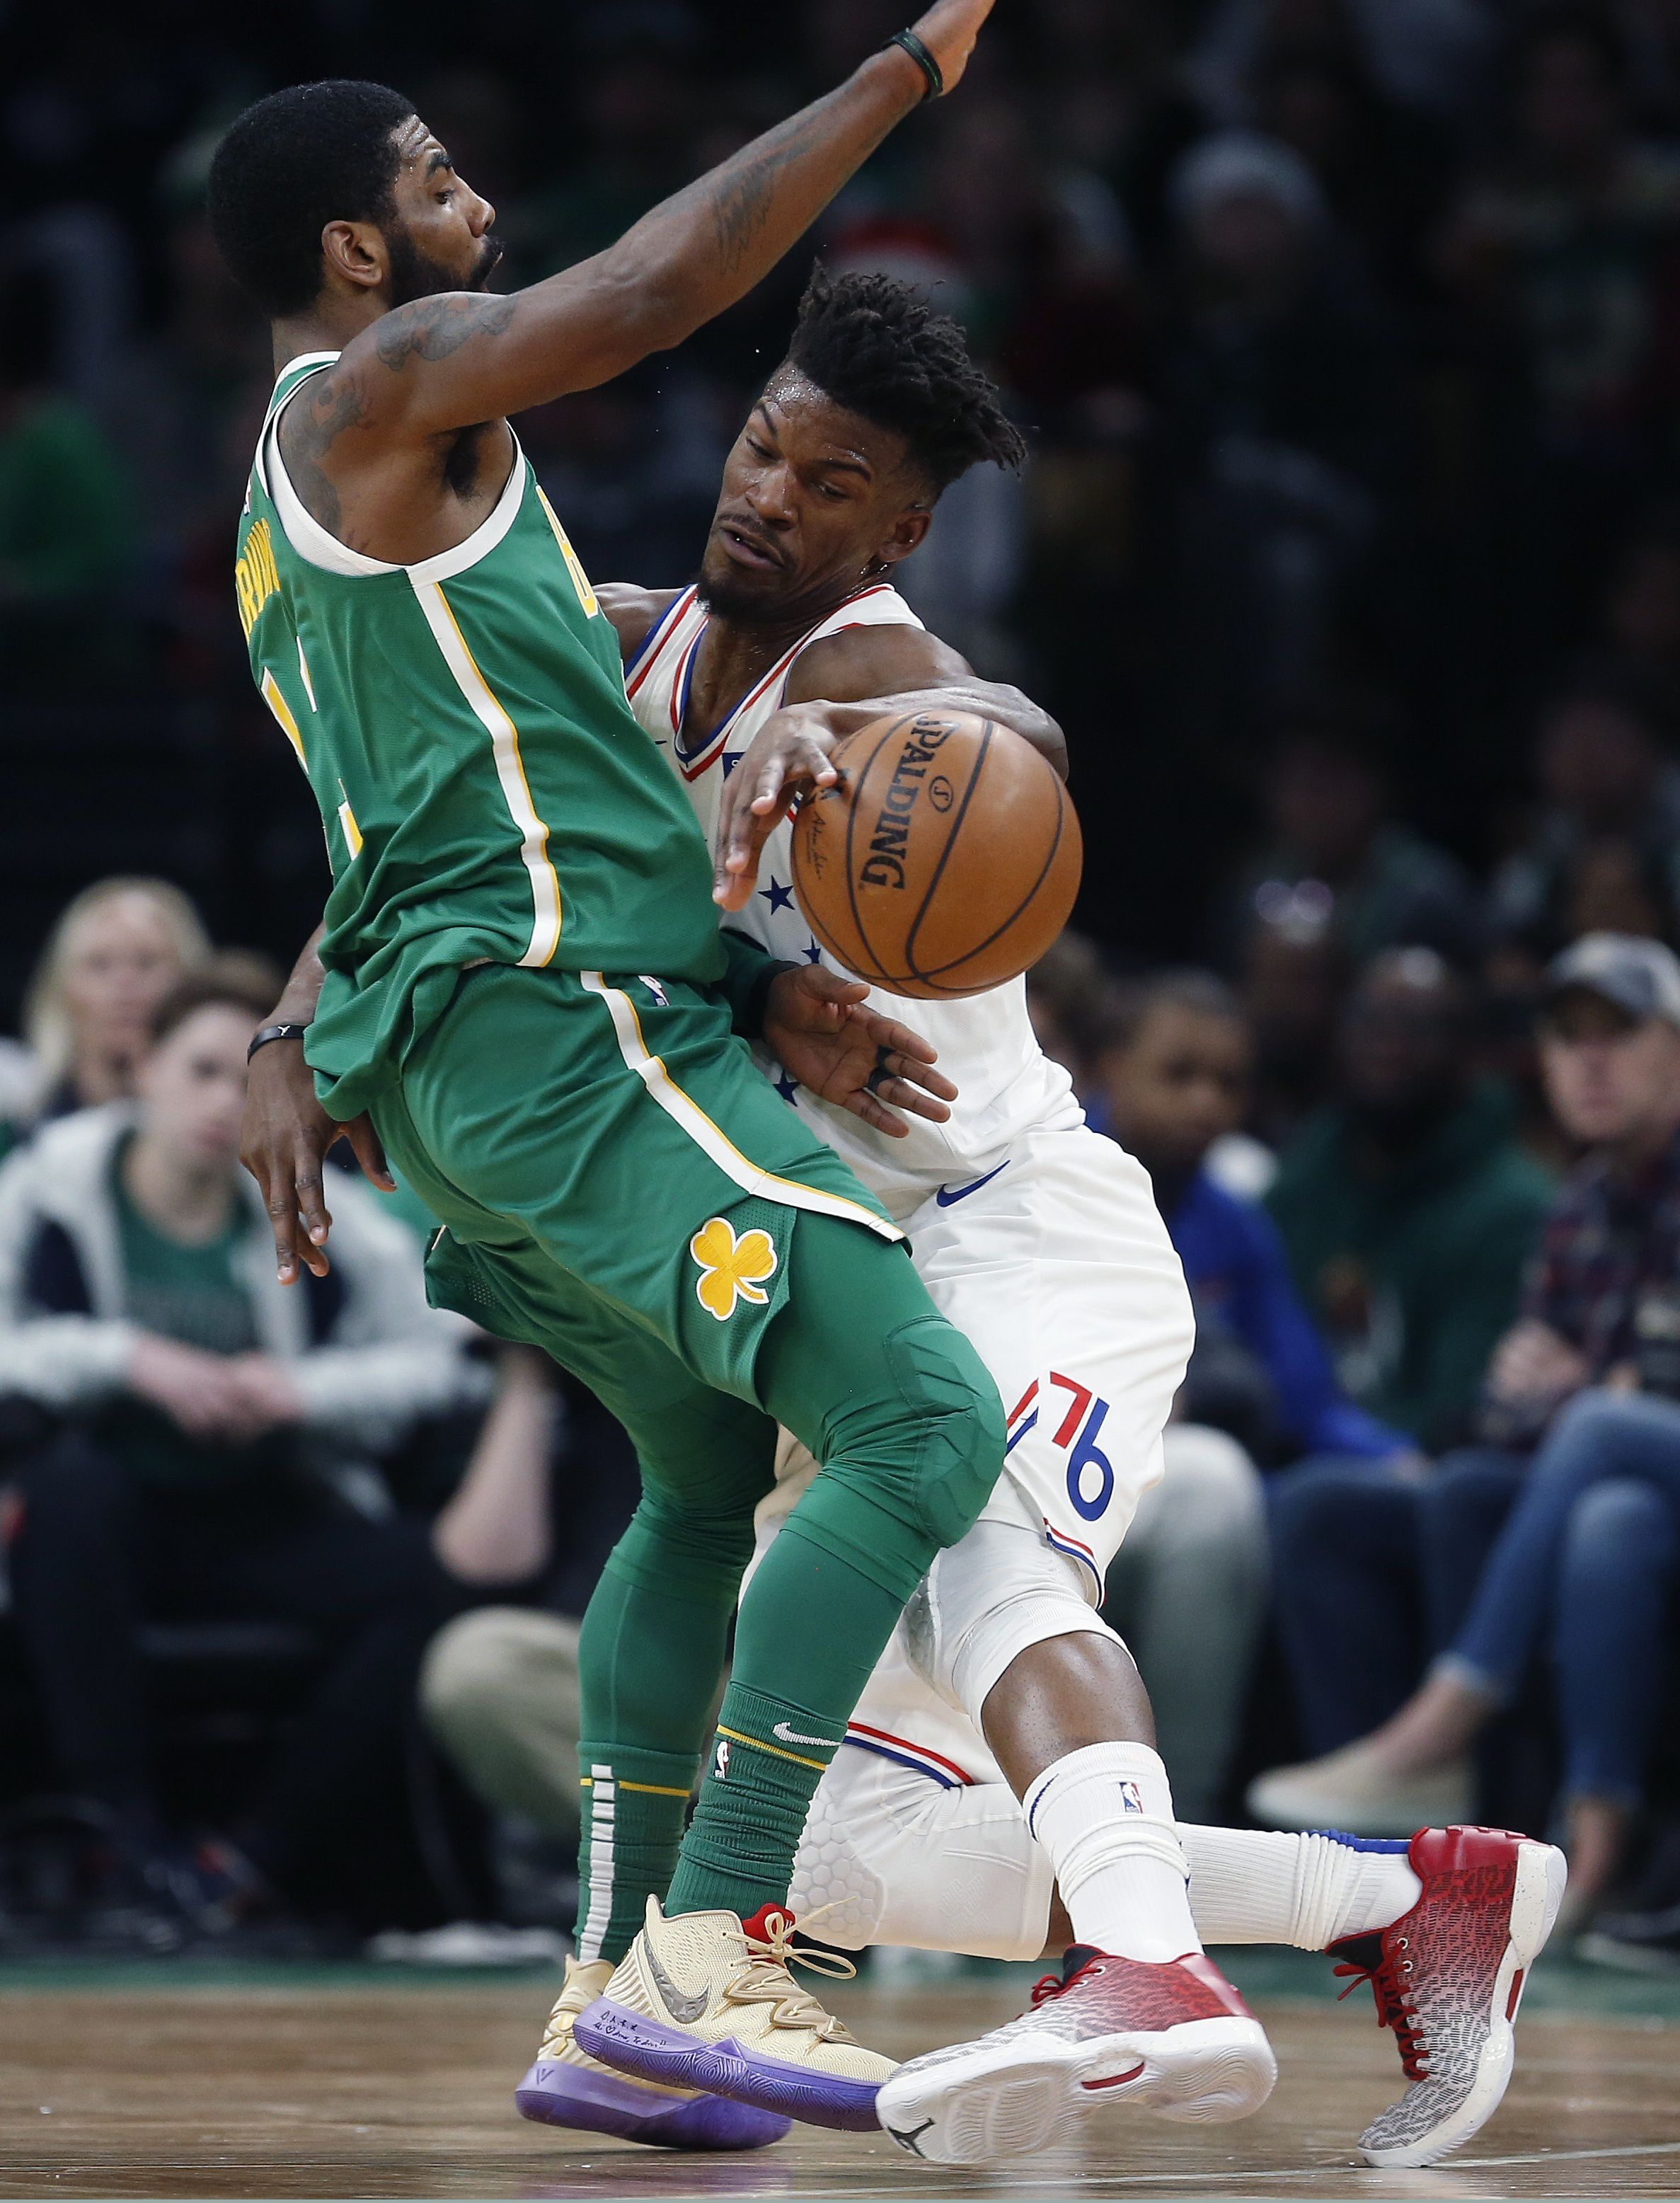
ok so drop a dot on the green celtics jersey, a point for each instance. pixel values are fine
(486, 791)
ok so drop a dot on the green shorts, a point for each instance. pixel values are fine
(606, 1163)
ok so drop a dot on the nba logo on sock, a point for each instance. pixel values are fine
(1131, 1798)
(720, 1760)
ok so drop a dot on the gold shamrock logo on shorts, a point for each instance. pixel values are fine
(732, 1269)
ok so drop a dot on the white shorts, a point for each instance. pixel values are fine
(1058, 1268)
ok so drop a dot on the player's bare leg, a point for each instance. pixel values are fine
(1139, 2015)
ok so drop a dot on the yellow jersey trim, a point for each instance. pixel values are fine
(687, 1112)
(547, 917)
(282, 711)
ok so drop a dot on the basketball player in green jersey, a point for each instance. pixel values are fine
(527, 993)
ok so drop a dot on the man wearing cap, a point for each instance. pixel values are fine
(1582, 1416)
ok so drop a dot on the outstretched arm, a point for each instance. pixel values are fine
(451, 362)
(835, 687)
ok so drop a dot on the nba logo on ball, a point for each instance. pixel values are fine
(1131, 1798)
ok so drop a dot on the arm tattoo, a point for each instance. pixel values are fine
(307, 432)
(741, 202)
(432, 328)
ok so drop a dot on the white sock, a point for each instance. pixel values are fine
(1249, 1886)
(1104, 1815)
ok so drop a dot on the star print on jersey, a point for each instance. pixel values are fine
(732, 1269)
(813, 954)
(778, 896)
(786, 1087)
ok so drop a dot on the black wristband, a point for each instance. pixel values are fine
(267, 1033)
(749, 1020)
(923, 59)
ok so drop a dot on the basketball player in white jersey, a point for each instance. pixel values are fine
(1003, 1751)
(1041, 1240)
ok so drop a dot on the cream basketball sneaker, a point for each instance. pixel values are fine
(705, 2001)
(567, 2088)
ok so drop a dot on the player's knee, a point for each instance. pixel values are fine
(952, 1422)
(668, 1545)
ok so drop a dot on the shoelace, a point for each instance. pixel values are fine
(1051, 1986)
(1394, 2007)
(767, 1980)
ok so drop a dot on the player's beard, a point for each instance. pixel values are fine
(415, 274)
(733, 599)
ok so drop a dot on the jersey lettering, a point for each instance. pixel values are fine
(256, 576)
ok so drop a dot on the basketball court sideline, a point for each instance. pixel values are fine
(351, 2084)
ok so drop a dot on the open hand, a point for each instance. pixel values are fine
(198, 1391)
(820, 1030)
(792, 754)
(1535, 1363)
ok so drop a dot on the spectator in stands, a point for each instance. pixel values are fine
(1582, 1411)
(1067, 993)
(1406, 1206)
(1293, 978)
(1189, 1584)
(1327, 805)
(1176, 1077)
(1279, 422)
(1383, 168)
(67, 516)
(1569, 242)
(499, 1687)
(1641, 606)
(210, 1446)
(1609, 807)
(115, 952)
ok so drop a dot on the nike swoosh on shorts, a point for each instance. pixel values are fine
(948, 1194)
(792, 1736)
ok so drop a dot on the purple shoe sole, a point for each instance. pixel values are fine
(635, 2044)
(560, 2095)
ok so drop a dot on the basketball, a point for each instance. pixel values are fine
(945, 860)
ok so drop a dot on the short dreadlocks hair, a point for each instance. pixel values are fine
(875, 346)
(312, 154)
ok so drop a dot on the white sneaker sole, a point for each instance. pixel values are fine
(1541, 1873)
(1002, 2099)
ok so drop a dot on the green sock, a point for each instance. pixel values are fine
(634, 1803)
(648, 1662)
(769, 1752)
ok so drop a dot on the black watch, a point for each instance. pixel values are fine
(266, 1033)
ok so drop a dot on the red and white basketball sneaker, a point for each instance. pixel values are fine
(1448, 1976)
(1176, 2038)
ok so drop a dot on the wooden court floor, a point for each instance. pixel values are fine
(404, 2089)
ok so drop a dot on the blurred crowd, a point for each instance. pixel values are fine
(1346, 334)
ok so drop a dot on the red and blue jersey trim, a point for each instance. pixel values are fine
(863, 1736)
(1062, 1543)
(698, 757)
(640, 663)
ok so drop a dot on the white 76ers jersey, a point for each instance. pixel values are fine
(1006, 1085)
